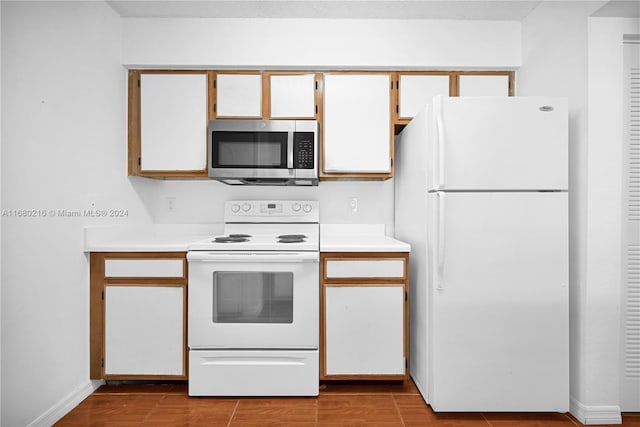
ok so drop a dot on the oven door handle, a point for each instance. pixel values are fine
(242, 256)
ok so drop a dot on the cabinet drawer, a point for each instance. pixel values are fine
(365, 268)
(144, 267)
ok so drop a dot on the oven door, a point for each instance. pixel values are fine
(257, 300)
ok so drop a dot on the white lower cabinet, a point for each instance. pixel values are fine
(364, 316)
(144, 330)
(364, 327)
(138, 316)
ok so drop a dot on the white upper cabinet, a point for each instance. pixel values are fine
(239, 95)
(173, 122)
(357, 123)
(292, 96)
(415, 91)
(483, 85)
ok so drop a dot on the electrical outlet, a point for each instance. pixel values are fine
(170, 203)
(353, 204)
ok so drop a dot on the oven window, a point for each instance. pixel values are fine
(249, 149)
(252, 297)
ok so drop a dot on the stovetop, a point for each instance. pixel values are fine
(261, 225)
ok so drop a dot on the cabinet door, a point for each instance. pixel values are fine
(483, 85)
(144, 330)
(173, 122)
(417, 90)
(364, 327)
(292, 96)
(357, 123)
(239, 95)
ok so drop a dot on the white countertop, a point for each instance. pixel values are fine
(177, 237)
(358, 238)
(146, 238)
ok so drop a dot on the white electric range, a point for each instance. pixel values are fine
(254, 302)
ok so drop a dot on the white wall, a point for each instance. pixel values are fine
(63, 139)
(284, 43)
(202, 201)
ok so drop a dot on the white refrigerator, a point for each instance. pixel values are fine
(481, 196)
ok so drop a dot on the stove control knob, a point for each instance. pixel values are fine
(296, 207)
(246, 207)
(307, 208)
(235, 208)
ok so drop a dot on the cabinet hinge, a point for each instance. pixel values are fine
(397, 84)
(397, 109)
(215, 108)
(316, 85)
(406, 296)
(102, 295)
(139, 161)
(316, 109)
(102, 362)
(138, 83)
(215, 83)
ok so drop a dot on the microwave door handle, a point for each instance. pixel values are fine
(289, 150)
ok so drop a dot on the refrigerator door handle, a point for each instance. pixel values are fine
(439, 143)
(439, 258)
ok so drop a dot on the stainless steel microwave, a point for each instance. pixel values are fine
(266, 152)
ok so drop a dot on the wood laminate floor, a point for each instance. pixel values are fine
(390, 405)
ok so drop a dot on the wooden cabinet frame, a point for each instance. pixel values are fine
(454, 88)
(266, 93)
(98, 283)
(326, 282)
(396, 125)
(134, 129)
(455, 79)
(324, 176)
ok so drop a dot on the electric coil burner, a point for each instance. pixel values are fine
(253, 302)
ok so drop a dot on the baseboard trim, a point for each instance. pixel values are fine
(70, 401)
(595, 415)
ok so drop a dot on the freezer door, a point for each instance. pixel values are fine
(499, 321)
(501, 143)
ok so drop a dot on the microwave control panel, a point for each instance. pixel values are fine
(303, 150)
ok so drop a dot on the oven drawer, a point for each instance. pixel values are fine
(253, 373)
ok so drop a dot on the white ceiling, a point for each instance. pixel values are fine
(503, 10)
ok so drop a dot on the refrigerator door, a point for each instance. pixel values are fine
(499, 143)
(499, 321)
